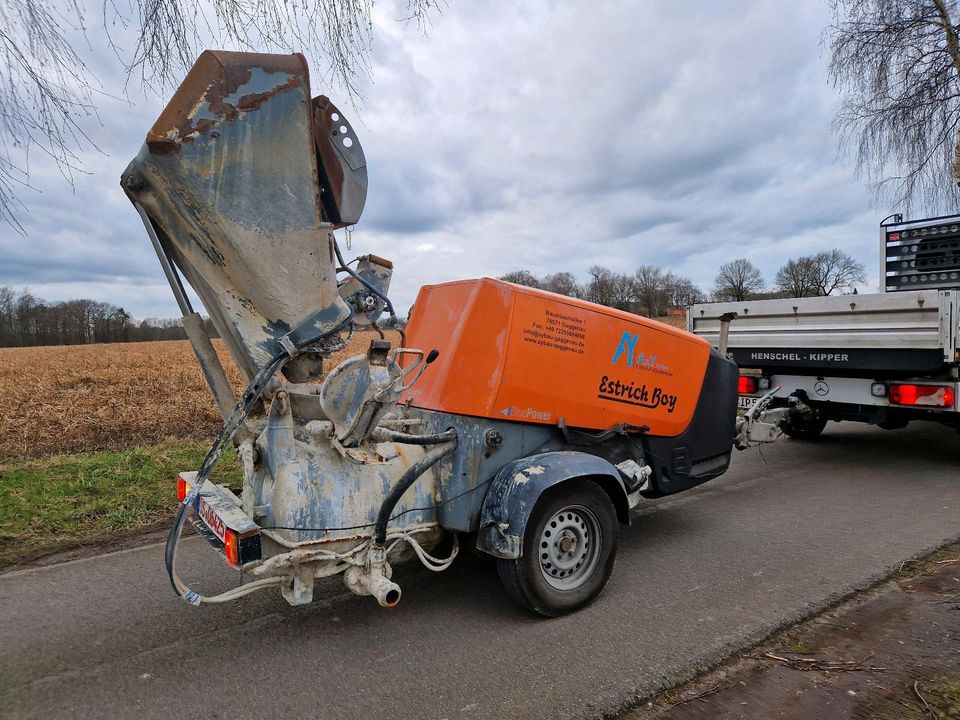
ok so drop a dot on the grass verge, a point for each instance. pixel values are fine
(53, 503)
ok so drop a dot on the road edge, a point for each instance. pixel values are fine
(616, 704)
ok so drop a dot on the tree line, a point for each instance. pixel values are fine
(651, 290)
(26, 320)
(817, 275)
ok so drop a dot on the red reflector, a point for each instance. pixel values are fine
(922, 395)
(231, 547)
(183, 489)
(894, 236)
(747, 385)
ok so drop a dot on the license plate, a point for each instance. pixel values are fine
(745, 401)
(211, 519)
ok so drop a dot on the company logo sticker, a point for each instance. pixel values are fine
(525, 413)
(627, 352)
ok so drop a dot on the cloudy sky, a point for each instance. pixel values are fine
(540, 135)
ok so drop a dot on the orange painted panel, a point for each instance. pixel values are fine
(510, 352)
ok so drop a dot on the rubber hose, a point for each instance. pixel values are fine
(406, 480)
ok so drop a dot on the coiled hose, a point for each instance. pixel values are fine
(241, 410)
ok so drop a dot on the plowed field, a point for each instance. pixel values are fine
(77, 398)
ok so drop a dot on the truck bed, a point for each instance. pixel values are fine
(912, 331)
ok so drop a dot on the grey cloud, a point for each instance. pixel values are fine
(542, 135)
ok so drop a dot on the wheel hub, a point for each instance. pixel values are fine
(569, 547)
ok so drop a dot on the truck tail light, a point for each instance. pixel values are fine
(747, 385)
(231, 547)
(183, 489)
(922, 395)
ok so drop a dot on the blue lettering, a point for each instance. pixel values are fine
(627, 345)
(646, 360)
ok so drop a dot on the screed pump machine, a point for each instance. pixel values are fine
(525, 423)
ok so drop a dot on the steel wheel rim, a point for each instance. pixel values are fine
(569, 547)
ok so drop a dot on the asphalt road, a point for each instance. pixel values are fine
(698, 576)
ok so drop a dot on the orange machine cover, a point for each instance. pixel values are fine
(510, 352)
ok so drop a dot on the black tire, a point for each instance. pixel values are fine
(588, 516)
(804, 429)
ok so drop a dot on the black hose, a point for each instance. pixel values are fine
(400, 437)
(406, 480)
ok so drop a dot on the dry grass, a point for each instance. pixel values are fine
(107, 397)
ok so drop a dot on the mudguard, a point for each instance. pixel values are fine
(518, 485)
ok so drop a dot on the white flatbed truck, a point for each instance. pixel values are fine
(885, 359)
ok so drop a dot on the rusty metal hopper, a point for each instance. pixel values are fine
(244, 178)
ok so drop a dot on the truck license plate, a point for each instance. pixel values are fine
(745, 401)
(211, 519)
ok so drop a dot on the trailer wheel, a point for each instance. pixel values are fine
(804, 429)
(569, 548)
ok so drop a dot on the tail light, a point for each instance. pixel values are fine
(922, 395)
(231, 547)
(183, 489)
(747, 385)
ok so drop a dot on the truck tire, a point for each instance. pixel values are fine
(569, 548)
(804, 429)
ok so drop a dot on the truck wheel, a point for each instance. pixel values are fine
(569, 547)
(804, 429)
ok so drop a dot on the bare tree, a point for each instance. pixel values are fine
(683, 292)
(563, 283)
(820, 274)
(7, 299)
(897, 65)
(835, 270)
(738, 279)
(653, 289)
(602, 286)
(521, 277)
(658, 290)
(48, 92)
(797, 277)
(624, 292)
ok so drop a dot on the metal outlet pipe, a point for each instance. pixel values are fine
(725, 332)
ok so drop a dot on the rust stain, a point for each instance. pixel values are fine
(254, 100)
(323, 127)
(215, 76)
